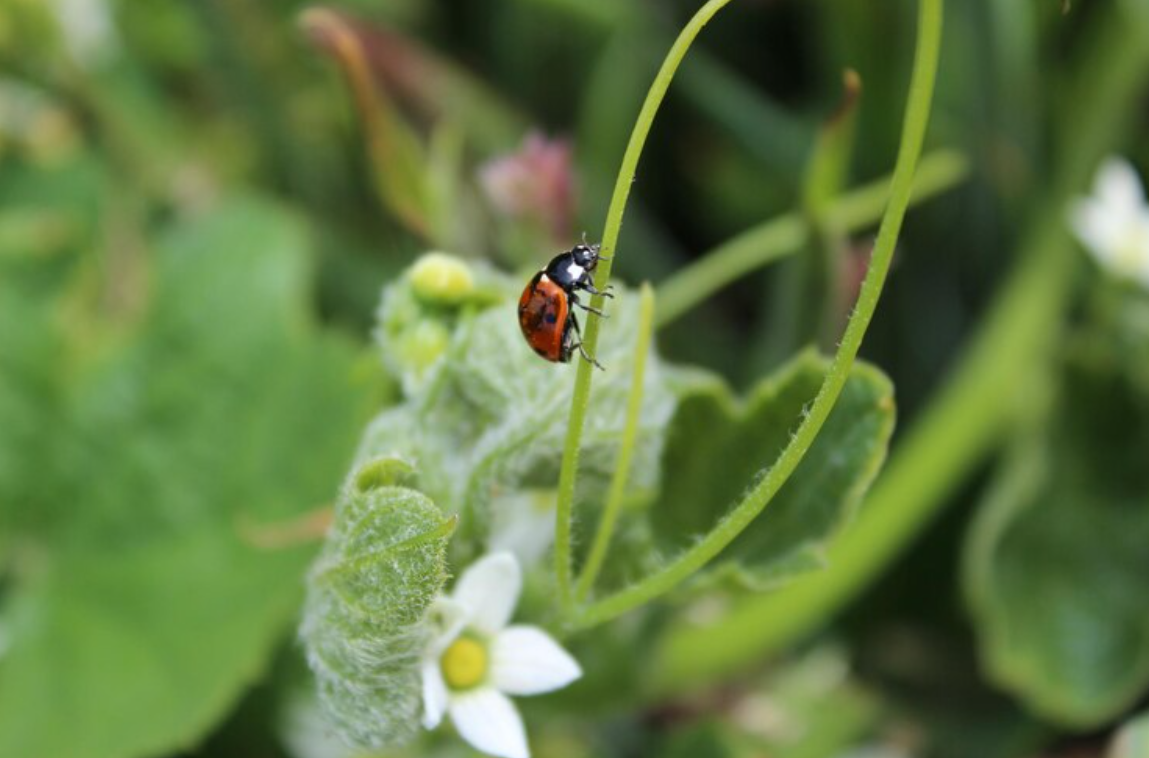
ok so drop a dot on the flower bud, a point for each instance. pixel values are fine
(384, 471)
(441, 279)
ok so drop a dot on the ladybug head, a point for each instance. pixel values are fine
(586, 256)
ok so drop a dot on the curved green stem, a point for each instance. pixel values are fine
(913, 134)
(967, 419)
(617, 490)
(784, 235)
(581, 397)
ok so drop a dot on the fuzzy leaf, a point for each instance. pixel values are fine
(366, 624)
(487, 423)
(1056, 564)
(719, 446)
(133, 612)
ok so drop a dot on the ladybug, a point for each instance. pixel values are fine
(546, 313)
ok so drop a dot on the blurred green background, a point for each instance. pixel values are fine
(199, 203)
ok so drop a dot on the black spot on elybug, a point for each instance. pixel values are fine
(551, 317)
(541, 352)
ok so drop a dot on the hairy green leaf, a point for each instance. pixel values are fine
(366, 622)
(718, 447)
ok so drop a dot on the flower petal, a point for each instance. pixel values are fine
(1098, 227)
(526, 661)
(1118, 185)
(435, 694)
(489, 721)
(489, 590)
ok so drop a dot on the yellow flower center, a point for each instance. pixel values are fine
(465, 663)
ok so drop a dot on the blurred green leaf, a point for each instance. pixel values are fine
(135, 613)
(707, 740)
(809, 707)
(137, 651)
(717, 445)
(1056, 563)
(29, 393)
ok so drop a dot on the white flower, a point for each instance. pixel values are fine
(1113, 223)
(477, 660)
(88, 29)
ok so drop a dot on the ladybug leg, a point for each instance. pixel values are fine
(589, 309)
(568, 344)
(575, 301)
(573, 322)
(587, 357)
(589, 287)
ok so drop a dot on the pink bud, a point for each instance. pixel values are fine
(534, 183)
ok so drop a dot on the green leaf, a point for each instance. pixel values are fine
(29, 389)
(49, 214)
(366, 623)
(718, 446)
(1056, 564)
(133, 612)
(137, 651)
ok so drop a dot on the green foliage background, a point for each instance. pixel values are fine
(201, 202)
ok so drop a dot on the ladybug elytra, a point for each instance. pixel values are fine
(546, 308)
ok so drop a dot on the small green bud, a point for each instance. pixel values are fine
(422, 344)
(385, 471)
(442, 279)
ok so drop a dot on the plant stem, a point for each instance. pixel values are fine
(969, 416)
(913, 134)
(784, 235)
(617, 490)
(581, 396)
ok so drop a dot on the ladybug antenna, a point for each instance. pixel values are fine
(595, 247)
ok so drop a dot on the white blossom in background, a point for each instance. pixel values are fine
(1113, 222)
(476, 660)
(87, 28)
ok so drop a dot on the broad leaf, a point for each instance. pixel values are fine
(1056, 563)
(137, 651)
(718, 447)
(134, 613)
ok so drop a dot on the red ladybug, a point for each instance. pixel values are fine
(546, 313)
